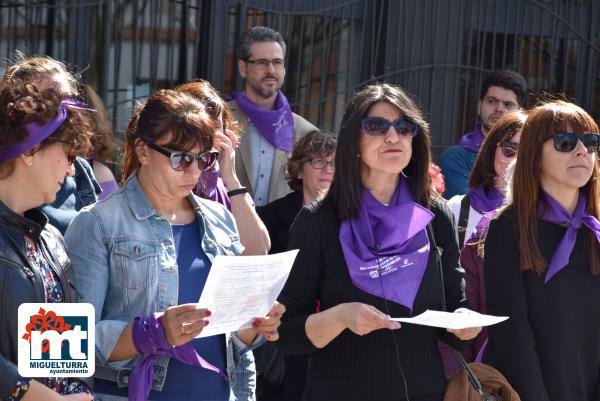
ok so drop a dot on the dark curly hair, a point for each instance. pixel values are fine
(314, 144)
(22, 102)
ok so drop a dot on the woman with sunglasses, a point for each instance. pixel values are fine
(367, 254)
(41, 134)
(147, 252)
(487, 188)
(542, 261)
(486, 182)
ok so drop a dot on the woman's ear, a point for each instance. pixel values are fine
(27, 158)
(141, 150)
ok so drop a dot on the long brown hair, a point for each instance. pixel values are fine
(541, 123)
(483, 173)
(345, 187)
(168, 112)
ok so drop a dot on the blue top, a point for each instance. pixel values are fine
(456, 164)
(185, 382)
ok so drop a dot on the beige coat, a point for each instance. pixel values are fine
(278, 186)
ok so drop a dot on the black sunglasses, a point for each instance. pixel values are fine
(509, 149)
(566, 141)
(182, 160)
(379, 126)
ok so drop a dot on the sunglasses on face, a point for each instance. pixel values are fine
(182, 160)
(567, 141)
(379, 126)
(509, 149)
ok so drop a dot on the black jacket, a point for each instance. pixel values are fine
(20, 282)
(278, 217)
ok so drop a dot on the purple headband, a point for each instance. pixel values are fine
(37, 133)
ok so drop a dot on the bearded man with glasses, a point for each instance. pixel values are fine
(269, 128)
(501, 92)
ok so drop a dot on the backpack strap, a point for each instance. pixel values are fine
(463, 219)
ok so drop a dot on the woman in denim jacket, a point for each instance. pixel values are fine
(147, 252)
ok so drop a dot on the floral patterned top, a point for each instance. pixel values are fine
(53, 292)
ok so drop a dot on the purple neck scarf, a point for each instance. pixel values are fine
(485, 201)
(210, 186)
(37, 133)
(549, 210)
(149, 338)
(472, 141)
(277, 126)
(387, 241)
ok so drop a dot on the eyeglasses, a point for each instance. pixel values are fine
(320, 164)
(183, 160)
(509, 149)
(263, 63)
(379, 126)
(492, 101)
(566, 141)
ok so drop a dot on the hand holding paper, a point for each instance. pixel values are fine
(449, 320)
(241, 288)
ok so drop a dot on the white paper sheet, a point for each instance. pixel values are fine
(241, 288)
(448, 320)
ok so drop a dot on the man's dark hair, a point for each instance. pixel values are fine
(258, 34)
(508, 80)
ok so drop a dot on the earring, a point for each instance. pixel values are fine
(30, 163)
(358, 155)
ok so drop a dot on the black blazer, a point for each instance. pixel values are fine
(278, 217)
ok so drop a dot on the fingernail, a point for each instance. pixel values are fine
(208, 313)
(206, 322)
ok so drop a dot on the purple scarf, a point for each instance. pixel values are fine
(485, 201)
(149, 338)
(277, 126)
(210, 186)
(108, 187)
(390, 241)
(549, 210)
(472, 140)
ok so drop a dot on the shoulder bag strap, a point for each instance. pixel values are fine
(472, 378)
(463, 219)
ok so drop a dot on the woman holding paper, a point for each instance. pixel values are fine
(366, 255)
(142, 257)
(542, 261)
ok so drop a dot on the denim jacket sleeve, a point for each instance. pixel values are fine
(87, 249)
(243, 376)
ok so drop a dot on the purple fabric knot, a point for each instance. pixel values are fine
(149, 339)
(276, 126)
(485, 201)
(550, 210)
(378, 250)
(472, 140)
(210, 186)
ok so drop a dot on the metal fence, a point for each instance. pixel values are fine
(437, 49)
